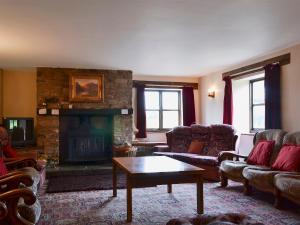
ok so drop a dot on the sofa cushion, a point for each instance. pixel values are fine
(261, 153)
(201, 133)
(181, 139)
(196, 147)
(221, 139)
(170, 154)
(289, 184)
(191, 158)
(197, 159)
(292, 138)
(288, 159)
(233, 168)
(260, 177)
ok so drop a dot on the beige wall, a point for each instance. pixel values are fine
(19, 93)
(151, 136)
(211, 110)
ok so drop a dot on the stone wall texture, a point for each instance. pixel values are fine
(54, 82)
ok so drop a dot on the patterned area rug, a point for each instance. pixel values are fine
(154, 206)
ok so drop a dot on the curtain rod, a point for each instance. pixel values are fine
(164, 84)
(247, 74)
(246, 70)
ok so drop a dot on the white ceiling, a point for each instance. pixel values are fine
(149, 37)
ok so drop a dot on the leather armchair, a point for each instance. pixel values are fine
(18, 202)
(27, 166)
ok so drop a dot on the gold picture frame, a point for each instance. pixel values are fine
(88, 88)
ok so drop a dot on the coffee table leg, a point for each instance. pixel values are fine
(129, 199)
(114, 180)
(169, 188)
(200, 202)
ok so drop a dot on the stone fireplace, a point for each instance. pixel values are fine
(86, 131)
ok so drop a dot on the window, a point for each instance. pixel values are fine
(163, 108)
(12, 124)
(257, 104)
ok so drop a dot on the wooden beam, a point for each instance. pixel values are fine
(164, 84)
(282, 60)
(247, 74)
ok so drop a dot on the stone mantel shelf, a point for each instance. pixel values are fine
(94, 112)
(91, 112)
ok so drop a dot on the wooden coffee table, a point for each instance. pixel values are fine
(156, 170)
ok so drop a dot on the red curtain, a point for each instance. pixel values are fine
(272, 97)
(228, 102)
(188, 106)
(140, 112)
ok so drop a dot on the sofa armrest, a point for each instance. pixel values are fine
(20, 163)
(229, 155)
(13, 180)
(161, 148)
(9, 205)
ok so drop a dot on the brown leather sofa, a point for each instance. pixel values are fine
(233, 169)
(280, 183)
(216, 138)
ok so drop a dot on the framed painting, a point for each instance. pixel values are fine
(87, 88)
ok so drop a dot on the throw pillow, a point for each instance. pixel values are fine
(261, 153)
(196, 147)
(288, 159)
(3, 169)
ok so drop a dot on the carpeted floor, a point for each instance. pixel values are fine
(154, 206)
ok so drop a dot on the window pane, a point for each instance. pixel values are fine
(170, 100)
(259, 117)
(170, 119)
(152, 119)
(151, 100)
(258, 92)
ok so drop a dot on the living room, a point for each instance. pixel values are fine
(139, 112)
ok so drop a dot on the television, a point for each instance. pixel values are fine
(20, 130)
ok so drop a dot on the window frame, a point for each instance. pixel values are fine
(161, 110)
(251, 82)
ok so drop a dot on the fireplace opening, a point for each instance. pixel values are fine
(85, 138)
